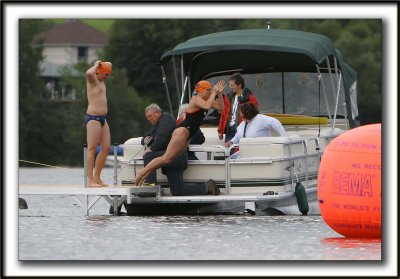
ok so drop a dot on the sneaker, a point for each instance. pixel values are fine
(212, 188)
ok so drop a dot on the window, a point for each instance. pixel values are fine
(82, 53)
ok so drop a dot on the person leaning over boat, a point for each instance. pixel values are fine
(156, 141)
(255, 125)
(97, 127)
(199, 104)
(198, 138)
(230, 119)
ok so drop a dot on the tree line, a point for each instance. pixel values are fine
(53, 132)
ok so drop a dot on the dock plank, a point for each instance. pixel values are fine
(80, 190)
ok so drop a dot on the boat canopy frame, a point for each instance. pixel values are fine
(251, 51)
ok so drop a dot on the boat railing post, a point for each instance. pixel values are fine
(115, 163)
(85, 178)
(164, 81)
(227, 173)
(346, 120)
(306, 161)
(291, 162)
(325, 96)
(228, 167)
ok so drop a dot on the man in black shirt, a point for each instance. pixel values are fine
(156, 141)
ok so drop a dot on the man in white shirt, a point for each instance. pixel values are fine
(255, 125)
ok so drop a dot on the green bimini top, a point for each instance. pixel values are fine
(254, 50)
(316, 46)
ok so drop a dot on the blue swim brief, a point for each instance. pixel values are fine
(101, 119)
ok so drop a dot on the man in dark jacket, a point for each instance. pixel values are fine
(157, 138)
(156, 141)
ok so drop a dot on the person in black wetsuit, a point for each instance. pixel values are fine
(198, 138)
(199, 104)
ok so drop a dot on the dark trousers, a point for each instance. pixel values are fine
(152, 177)
(174, 172)
(230, 133)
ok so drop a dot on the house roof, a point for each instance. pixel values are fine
(73, 32)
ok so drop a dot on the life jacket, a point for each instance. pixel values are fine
(246, 97)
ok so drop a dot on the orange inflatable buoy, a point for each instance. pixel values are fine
(349, 183)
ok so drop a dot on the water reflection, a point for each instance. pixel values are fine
(356, 248)
(349, 242)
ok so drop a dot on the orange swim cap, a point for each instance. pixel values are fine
(104, 68)
(203, 85)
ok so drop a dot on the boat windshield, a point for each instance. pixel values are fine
(292, 93)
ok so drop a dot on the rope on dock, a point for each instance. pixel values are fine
(40, 164)
(52, 166)
(65, 168)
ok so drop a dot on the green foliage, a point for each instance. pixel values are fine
(103, 25)
(30, 83)
(73, 76)
(361, 44)
(53, 132)
(100, 24)
(136, 46)
(125, 109)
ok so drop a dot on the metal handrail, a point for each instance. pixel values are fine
(227, 152)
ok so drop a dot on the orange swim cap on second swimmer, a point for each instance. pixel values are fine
(104, 68)
(202, 85)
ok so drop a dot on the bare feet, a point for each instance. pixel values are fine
(139, 178)
(94, 184)
(99, 181)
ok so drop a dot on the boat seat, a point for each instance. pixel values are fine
(213, 141)
(328, 132)
(270, 147)
(269, 140)
(303, 133)
(314, 132)
(325, 136)
(133, 148)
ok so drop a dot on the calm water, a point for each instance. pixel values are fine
(55, 228)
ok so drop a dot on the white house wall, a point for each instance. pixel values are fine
(67, 55)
